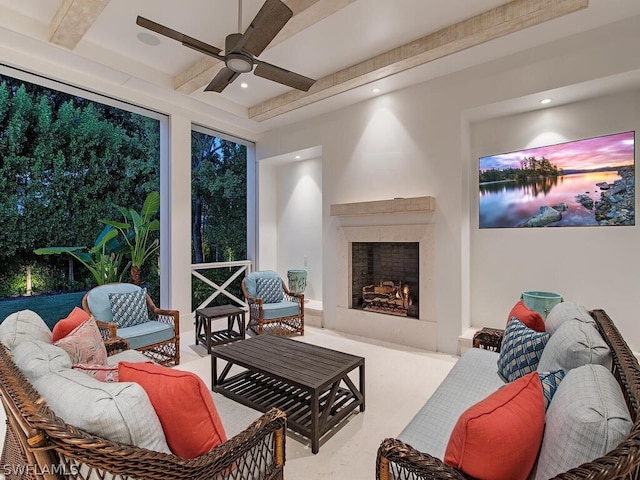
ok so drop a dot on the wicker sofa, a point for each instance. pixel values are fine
(40, 444)
(402, 458)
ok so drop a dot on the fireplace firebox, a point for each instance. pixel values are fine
(385, 277)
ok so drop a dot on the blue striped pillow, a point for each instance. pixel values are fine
(550, 382)
(520, 350)
(129, 309)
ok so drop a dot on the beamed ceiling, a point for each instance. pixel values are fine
(348, 46)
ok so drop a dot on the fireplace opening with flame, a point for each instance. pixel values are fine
(385, 277)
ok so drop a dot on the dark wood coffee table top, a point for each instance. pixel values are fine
(298, 363)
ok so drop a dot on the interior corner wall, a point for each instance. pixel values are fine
(596, 266)
(411, 143)
(299, 207)
(267, 217)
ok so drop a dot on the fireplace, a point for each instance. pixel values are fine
(418, 330)
(385, 277)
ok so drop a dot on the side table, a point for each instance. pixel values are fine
(235, 325)
(488, 338)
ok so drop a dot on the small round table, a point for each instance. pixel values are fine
(235, 318)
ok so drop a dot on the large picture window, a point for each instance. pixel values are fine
(220, 189)
(67, 162)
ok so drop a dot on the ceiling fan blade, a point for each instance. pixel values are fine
(285, 77)
(223, 78)
(271, 18)
(186, 40)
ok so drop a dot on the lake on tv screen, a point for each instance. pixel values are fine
(582, 183)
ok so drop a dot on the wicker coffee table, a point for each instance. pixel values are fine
(309, 383)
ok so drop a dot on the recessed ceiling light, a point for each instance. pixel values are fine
(297, 157)
(544, 101)
(244, 85)
(148, 39)
(376, 90)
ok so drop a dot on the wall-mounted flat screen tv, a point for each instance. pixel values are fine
(581, 183)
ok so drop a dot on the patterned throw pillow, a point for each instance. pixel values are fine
(269, 290)
(520, 350)
(84, 344)
(129, 309)
(550, 382)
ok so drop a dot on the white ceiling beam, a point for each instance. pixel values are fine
(495, 23)
(305, 14)
(73, 19)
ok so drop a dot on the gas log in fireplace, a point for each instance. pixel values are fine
(385, 277)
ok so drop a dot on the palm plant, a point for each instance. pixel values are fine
(137, 230)
(102, 260)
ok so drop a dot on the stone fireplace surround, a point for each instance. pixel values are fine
(420, 332)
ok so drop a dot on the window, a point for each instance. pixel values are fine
(222, 212)
(67, 158)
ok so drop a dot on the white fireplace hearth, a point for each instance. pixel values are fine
(418, 332)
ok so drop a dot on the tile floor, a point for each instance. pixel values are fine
(398, 381)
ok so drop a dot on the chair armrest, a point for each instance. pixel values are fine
(299, 296)
(107, 329)
(116, 345)
(397, 456)
(164, 315)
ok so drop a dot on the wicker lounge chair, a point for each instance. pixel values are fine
(272, 307)
(398, 460)
(41, 445)
(158, 337)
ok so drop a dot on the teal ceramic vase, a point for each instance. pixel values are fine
(297, 280)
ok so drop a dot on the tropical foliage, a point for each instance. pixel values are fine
(139, 233)
(65, 162)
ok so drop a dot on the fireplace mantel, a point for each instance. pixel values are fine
(396, 205)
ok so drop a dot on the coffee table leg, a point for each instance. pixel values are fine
(214, 372)
(315, 421)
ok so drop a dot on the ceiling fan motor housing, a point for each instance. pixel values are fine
(235, 58)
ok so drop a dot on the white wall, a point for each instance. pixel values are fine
(299, 223)
(596, 266)
(415, 142)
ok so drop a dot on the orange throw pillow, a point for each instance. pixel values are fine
(500, 436)
(183, 404)
(67, 325)
(530, 318)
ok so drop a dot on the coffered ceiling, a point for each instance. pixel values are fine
(348, 46)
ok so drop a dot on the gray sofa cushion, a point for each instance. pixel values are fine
(120, 411)
(573, 344)
(566, 311)
(23, 326)
(472, 379)
(587, 417)
(35, 359)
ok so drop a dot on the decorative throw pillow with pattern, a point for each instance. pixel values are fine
(130, 308)
(269, 290)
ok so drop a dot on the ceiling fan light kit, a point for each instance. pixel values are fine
(242, 48)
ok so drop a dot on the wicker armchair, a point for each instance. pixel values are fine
(273, 308)
(397, 460)
(41, 445)
(159, 339)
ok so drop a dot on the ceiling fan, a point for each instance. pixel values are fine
(242, 48)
